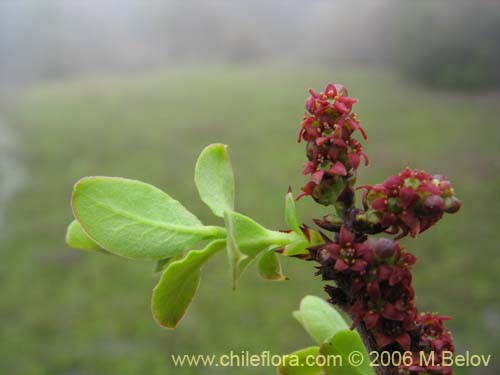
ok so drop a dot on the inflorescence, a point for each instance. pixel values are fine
(373, 275)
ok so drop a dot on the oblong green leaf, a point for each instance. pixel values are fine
(76, 238)
(178, 284)
(246, 239)
(214, 179)
(344, 344)
(169, 304)
(270, 267)
(320, 319)
(136, 220)
(252, 237)
(291, 216)
(296, 363)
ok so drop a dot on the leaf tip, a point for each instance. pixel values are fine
(76, 188)
(162, 322)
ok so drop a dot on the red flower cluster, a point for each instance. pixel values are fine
(410, 202)
(380, 294)
(374, 285)
(327, 128)
(432, 339)
(373, 276)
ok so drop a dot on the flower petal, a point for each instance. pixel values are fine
(354, 160)
(340, 265)
(404, 340)
(345, 236)
(338, 168)
(330, 91)
(316, 177)
(371, 319)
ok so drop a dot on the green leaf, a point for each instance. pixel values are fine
(344, 344)
(246, 239)
(270, 267)
(291, 216)
(297, 248)
(252, 237)
(295, 363)
(178, 284)
(161, 264)
(234, 254)
(214, 179)
(78, 239)
(320, 319)
(298, 317)
(136, 220)
(300, 247)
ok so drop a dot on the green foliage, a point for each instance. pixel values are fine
(319, 318)
(136, 220)
(234, 254)
(327, 327)
(247, 239)
(299, 247)
(344, 343)
(161, 264)
(178, 284)
(78, 239)
(252, 238)
(214, 179)
(270, 267)
(295, 363)
(291, 216)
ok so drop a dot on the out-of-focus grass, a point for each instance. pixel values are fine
(66, 312)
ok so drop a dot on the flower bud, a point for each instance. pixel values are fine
(372, 217)
(434, 203)
(329, 222)
(312, 150)
(452, 205)
(385, 248)
(327, 190)
(311, 104)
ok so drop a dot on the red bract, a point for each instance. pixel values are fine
(327, 128)
(411, 201)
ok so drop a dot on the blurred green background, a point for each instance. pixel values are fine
(67, 312)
